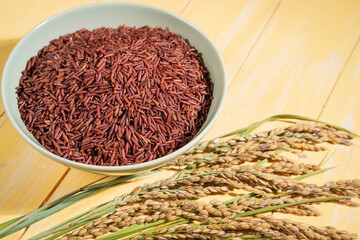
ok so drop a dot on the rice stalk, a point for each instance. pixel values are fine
(219, 166)
(57, 205)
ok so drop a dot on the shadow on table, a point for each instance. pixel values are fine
(6, 46)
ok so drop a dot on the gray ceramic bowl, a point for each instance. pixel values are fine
(109, 15)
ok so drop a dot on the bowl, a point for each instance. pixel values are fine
(109, 15)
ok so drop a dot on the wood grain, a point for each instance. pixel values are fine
(343, 109)
(26, 177)
(297, 57)
(234, 26)
(295, 63)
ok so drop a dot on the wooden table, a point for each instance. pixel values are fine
(291, 56)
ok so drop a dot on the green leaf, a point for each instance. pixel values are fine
(167, 225)
(131, 230)
(301, 177)
(64, 232)
(8, 223)
(66, 224)
(254, 237)
(41, 215)
(249, 129)
(261, 163)
(81, 223)
(272, 208)
(240, 197)
(19, 223)
(326, 158)
(15, 222)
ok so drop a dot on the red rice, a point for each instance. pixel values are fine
(115, 97)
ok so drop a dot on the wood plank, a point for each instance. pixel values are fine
(77, 178)
(6, 47)
(343, 109)
(294, 64)
(26, 177)
(234, 26)
(293, 69)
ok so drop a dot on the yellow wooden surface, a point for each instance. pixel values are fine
(291, 56)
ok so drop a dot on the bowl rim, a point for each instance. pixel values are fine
(126, 168)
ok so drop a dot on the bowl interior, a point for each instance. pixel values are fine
(108, 15)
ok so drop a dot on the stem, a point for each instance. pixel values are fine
(131, 230)
(301, 177)
(179, 221)
(68, 224)
(272, 208)
(284, 116)
(57, 205)
(18, 223)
